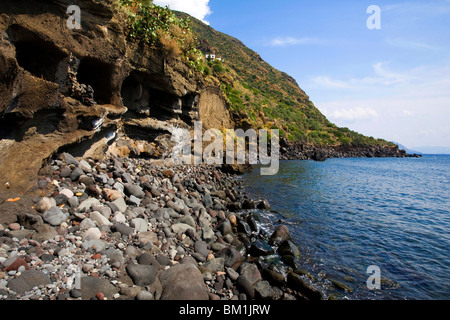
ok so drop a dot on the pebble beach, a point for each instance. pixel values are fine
(129, 229)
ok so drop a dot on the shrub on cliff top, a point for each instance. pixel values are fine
(160, 27)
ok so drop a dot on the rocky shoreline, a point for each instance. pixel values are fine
(122, 228)
(300, 151)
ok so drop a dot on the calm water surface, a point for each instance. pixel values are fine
(348, 214)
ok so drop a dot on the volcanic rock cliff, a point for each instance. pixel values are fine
(86, 90)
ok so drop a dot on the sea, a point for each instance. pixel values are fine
(348, 215)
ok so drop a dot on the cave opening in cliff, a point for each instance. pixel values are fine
(141, 97)
(98, 75)
(9, 127)
(39, 57)
(190, 105)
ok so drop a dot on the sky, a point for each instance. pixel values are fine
(391, 83)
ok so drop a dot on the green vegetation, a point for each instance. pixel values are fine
(160, 27)
(260, 96)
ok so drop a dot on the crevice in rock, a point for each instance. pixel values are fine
(99, 141)
(39, 57)
(190, 108)
(13, 126)
(9, 128)
(139, 133)
(97, 74)
(142, 98)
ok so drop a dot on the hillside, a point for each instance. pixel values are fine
(262, 97)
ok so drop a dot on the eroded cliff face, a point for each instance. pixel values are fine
(87, 91)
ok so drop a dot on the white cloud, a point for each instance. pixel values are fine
(352, 114)
(411, 107)
(381, 76)
(197, 8)
(408, 113)
(292, 41)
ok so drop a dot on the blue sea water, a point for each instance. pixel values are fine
(348, 214)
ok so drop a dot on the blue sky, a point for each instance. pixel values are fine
(391, 83)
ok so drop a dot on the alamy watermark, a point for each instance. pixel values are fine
(235, 147)
(374, 280)
(74, 21)
(374, 21)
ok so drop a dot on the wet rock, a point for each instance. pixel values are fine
(288, 248)
(248, 204)
(234, 206)
(275, 278)
(290, 261)
(260, 248)
(263, 205)
(340, 284)
(280, 235)
(303, 286)
(243, 227)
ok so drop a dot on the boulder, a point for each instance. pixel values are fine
(304, 286)
(183, 282)
(28, 280)
(288, 248)
(232, 257)
(280, 235)
(142, 275)
(91, 286)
